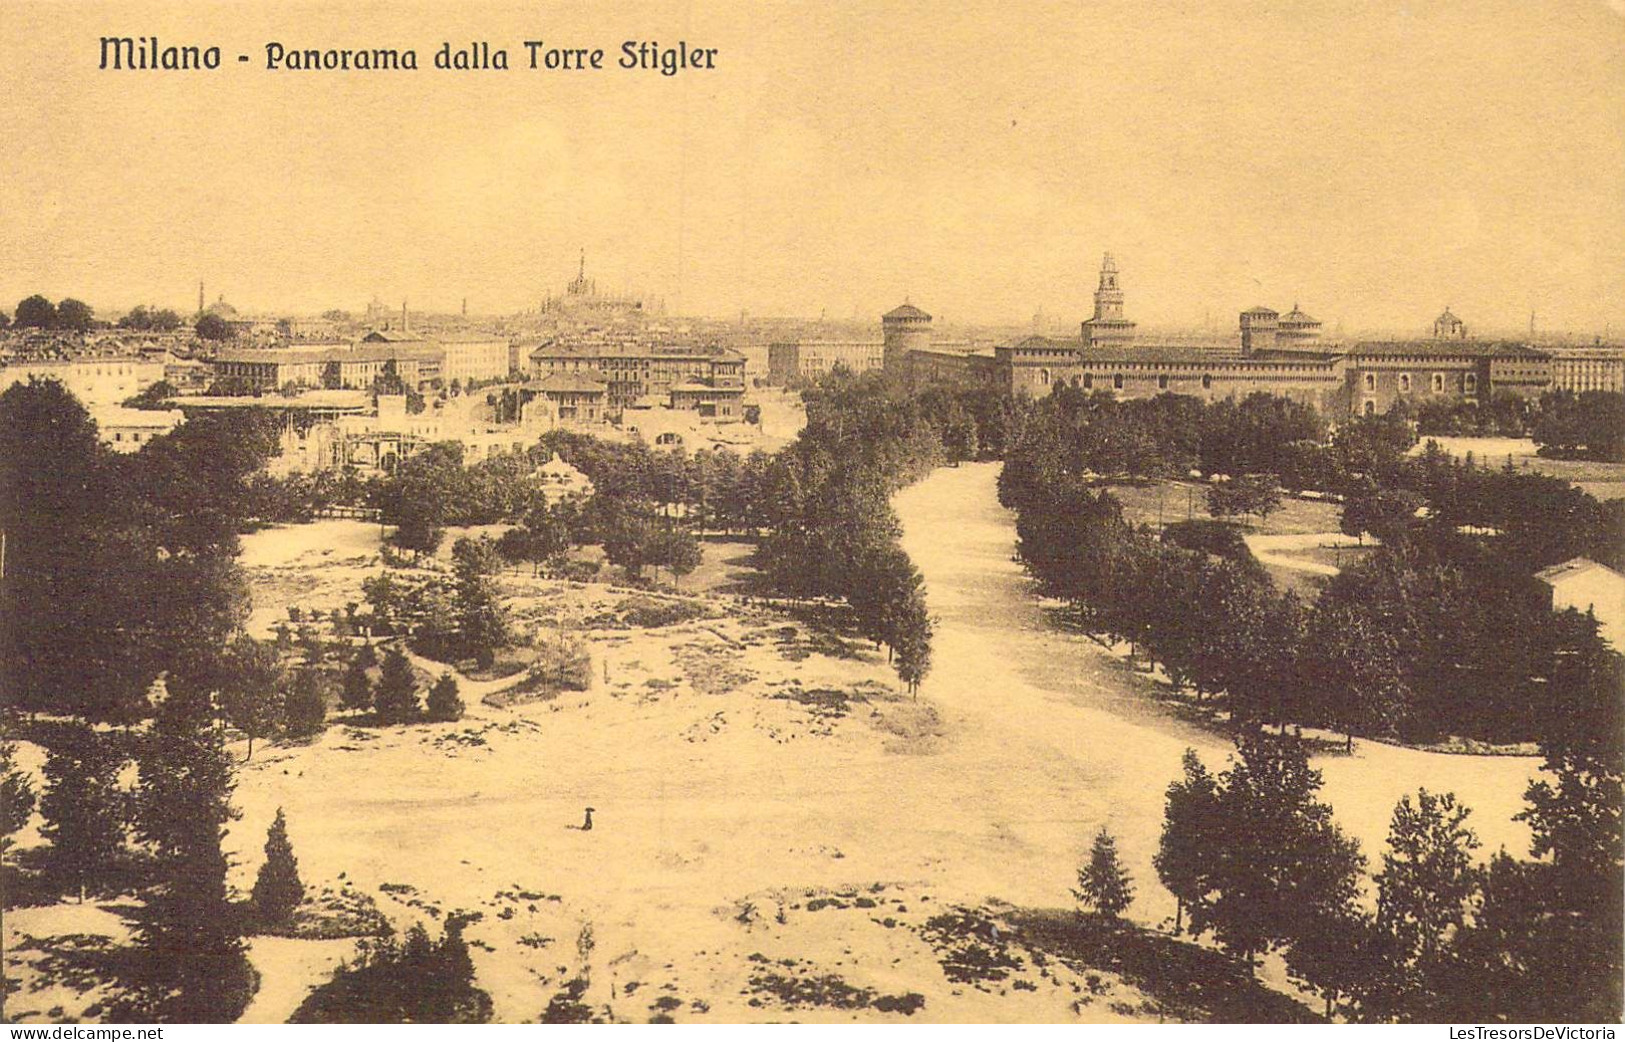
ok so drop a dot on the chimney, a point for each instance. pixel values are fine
(405, 322)
(200, 296)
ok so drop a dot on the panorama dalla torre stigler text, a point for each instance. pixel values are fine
(150, 54)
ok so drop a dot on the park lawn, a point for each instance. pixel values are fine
(1187, 500)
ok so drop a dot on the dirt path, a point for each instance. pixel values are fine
(1055, 740)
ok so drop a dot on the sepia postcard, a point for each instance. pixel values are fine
(870, 512)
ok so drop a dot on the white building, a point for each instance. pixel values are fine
(473, 356)
(127, 430)
(94, 380)
(1585, 585)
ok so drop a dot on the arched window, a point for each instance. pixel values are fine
(1207, 381)
(1043, 377)
(1162, 382)
(1088, 381)
(1117, 381)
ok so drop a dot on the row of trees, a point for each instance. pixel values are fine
(37, 312)
(162, 838)
(1409, 643)
(1590, 425)
(1253, 858)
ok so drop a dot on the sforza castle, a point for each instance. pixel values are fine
(1278, 354)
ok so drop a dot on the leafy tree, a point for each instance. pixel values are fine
(1357, 676)
(1189, 829)
(35, 313)
(84, 808)
(1424, 891)
(396, 699)
(1278, 861)
(17, 797)
(1244, 494)
(1104, 886)
(252, 681)
(74, 315)
(277, 889)
(212, 327)
(444, 704)
(153, 396)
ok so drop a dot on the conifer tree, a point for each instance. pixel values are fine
(396, 699)
(444, 705)
(356, 692)
(193, 969)
(277, 888)
(1104, 886)
(305, 706)
(84, 808)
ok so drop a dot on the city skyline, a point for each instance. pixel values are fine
(1372, 164)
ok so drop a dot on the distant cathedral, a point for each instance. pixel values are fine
(581, 294)
(1108, 327)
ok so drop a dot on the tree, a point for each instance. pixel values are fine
(1277, 862)
(277, 889)
(153, 396)
(212, 327)
(1104, 886)
(17, 797)
(678, 550)
(444, 704)
(415, 981)
(251, 686)
(396, 699)
(74, 315)
(1188, 825)
(1423, 894)
(913, 643)
(356, 692)
(35, 313)
(84, 808)
(1245, 494)
(305, 705)
(193, 968)
(482, 621)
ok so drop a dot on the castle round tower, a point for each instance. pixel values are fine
(905, 328)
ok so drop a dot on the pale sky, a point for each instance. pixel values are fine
(1372, 161)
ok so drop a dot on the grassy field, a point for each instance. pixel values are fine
(1164, 502)
(1603, 480)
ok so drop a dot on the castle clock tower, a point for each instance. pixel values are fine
(1108, 327)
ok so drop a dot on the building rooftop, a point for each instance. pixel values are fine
(1575, 566)
(1445, 349)
(908, 311)
(375, 351)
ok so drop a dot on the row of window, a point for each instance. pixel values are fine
(1044, 378)
(1436, 382)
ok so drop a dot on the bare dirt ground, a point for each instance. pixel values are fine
(779, 835)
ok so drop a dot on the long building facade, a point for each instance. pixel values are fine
(1280, 355)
